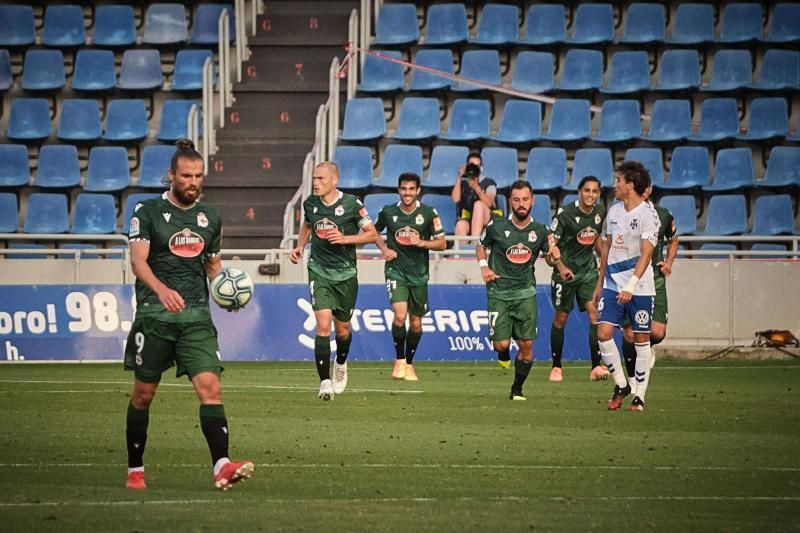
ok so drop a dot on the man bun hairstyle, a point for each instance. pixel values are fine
(636, 173)
(184, 149)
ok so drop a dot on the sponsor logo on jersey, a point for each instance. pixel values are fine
(587, 236)
(619, 239)
(420, 220)
(339, 211)
(554, 224)
(134, 231)
(138, 206)
(186, 243)
(405, 234)
(519, 254)
(532, 236)
(597, 218)
(324, 227)
(202, 220)
(507, 233)
(394, 218)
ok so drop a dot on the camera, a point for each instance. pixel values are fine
(472, 171)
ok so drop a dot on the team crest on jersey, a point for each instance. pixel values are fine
(134, 231)
(405, 234)
(339, 211)
(634, 223)
(597, 218)
(519, 254)
(186, 243)
(532, 236)
(202, 220)
(587, 236)
(420, 220)
(324, 227)
(315, 209)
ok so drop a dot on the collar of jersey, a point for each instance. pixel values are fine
(400, 206)
(165, 197)
(511, 219)
(334, 202)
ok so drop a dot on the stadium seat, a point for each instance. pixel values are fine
(684, 211)
(17, 25)
(434, 59)
(785, 23)
(14, 169)
(205, 29)
(570, 120)
(629, 72)
(773, 215)
(469, 121)
(547, 168)
(582, 70)
(670, 121)
(29, 119)
(6, 78)
(130, 204)
(446, 24)
(546, 24)
(596, 162)
(689, 168)
(619, 121)
(498, 25)
(444, 165)
(126, 120)
(780, 69)
(481, 65)
(114, 26)
(570, 198)
(541, 211)
(364, 120)
(741, 22)
(593, 24)
(719, 120)
(644, 24)
(397, 25)
(9, 213)
(418, 120)
(188, 74)
(521, 123)
(733, 170)
(374, 202)
(694, 24)
(63, 26)
(46, 213)
(769, 118)
(680, 70)
(94, 71)
(732, 69)
(355, 166)
(717, 246)
(783, 167)
(501, 165)
(108, 169)
(165, 24)
(501, 202)
(534, 72)
(79, 120)
(768, 247)
(140, 71)
(26, 246)
(727, 215)
(445, 207)
(397, 159)
(652, 159)
(175, 119)
(58, 168)
(82, 246)
(94, 213)
(156, 160)
(380, 76)
(43, 70)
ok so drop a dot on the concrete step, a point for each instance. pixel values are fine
(289, 68)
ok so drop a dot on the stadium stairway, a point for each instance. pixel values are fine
(270, 128)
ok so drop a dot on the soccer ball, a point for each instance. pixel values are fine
(231, 288)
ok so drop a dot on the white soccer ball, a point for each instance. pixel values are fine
(232, 288)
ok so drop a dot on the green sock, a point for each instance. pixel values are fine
(343, 348)
(136, 435)
(556, 345)
(412, 341)
(399, 339)
(322, 355)
(594, 345)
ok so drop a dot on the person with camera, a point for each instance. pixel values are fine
(474, 195)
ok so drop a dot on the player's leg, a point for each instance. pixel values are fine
(417, 307)
(611, 314)
(398, 296)
(585, 297)
(640, 310)
(524, 317)
(346, 294)
(629, 354)
(136, 422)
(500, 331)
(658, 327)
(563, 296)
(323, 301)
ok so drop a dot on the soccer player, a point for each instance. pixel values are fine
(332, 223)
(506, 253)
(626, 275)
(412, 229)
(576, 228)
(175, 245)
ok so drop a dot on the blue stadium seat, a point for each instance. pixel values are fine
(773, 215)
(732, 69)
(469, 121)
(140, 71)
(374, 202)
(108, 169)
(481, 65)
(733, 170)
(6, 78)
(445, 207)
(397, 159)
(9, 213)
(652, 159)
(783, 167)
(670, 121)
(534, 72)
(156, 160)
(17, 25)
(82, 246)
(768, 247)
(43, 70)
(94, 213)
(680, 70)
(446, 24)
(94, 71)
(570, 198)
(79, 120)
(501, 165)
(596, 162)
(741, 22)
(727, 215)
(570, 120)
(521, 123)
(418, 120)
(445, 162)
(780, 69)
(165, 24)
(355, 166)
(785, 23)
(188, 74)
(541, 211)
(582, 70)
(63, 26)
(126, 120)
(545, 24)
(29, 120)
(629, 72)
(130, 204)
(547, 168)
(619, 121)
(694, 24)
(644, 24)
(435, 59)
(717, 246)
(397, 25)
(205, 29)
(498, 25)
(114, 26)
(364, 120)
(501, 202)
(689, 168)
(14, 169)
(175, 119)
(593, 24)
(380, 76)
(719, 120)
(26, 246)
(46, 213)
(684, 210)
(769, 118)
(58, 167)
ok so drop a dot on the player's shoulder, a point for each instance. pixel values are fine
(428, 210)
(615, 209)
(311, 201)
(148, 206)
(348, 200)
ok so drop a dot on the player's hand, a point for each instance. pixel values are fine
(335, 237)
(389, 255)
(596, 296)
(488, 274)
(461, 170)
(624, 297)
(666, 268)
(413, 239)
(554, 253)
(567, 274)
(171, 300)
(295, 255)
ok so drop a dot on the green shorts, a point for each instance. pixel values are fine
(338, 296)
(581, 288)
(154, 346)
(417, 297)
(660, 307)
(515, 319)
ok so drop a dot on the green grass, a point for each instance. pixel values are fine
(718, 448)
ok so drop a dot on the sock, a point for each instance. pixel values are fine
(322, 355)
(521, 370)
(215, 428)
(594, 346)
(610, 354)
(343, 348)
(136, 435)
(629, 354)
(399, 338)
(412, 341)
(505, 355)
(643, 355)
(556, 344)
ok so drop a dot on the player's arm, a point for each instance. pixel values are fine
(388, 253)
(604, 245)
(645, 257)
(366, 235)
(169, 298)
(213, 265)
(302, 240)
(436, 244)
(672, 253)
(480, 252)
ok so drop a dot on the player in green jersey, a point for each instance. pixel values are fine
(334, 223)
(412, 229)
(175, 245)
(576, 228)
(507, 251)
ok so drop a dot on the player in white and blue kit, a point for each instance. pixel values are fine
(626, 277)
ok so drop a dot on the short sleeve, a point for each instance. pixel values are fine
(487, 239)
(437, 230)
(362, 216)
(140, 225)
(380, 222)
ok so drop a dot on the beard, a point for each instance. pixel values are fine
(522, 213)
(187, 196)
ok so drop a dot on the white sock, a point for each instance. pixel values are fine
(136, 469)
(632, 384)
(643, 364)
(610, 355)
(218, 466)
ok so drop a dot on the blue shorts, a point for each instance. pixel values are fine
(639, 311)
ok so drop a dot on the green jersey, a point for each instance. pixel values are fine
(180, 242)
(575, 233)
(666, 232)
(512, 254)
(411, 264)
(336, 262)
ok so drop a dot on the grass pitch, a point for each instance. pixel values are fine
(716, 449)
